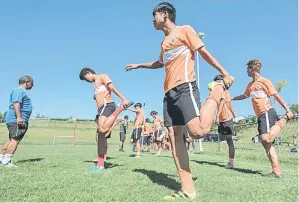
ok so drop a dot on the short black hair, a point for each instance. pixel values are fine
(153, 113)
(126, 117)
(218, 77)
(138, 104)
(166, 7)
(85, 71)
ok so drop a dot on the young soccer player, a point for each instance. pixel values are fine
(181, 101)
(137, 129)
(225, 121)
(123, 132)
(147, 129)
(107, 113)
(159, 132)
(260, 90)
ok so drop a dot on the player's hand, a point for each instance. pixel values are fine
(20, 121)
(125, 102)
(228, 81)
(131, 67)
(290, 115)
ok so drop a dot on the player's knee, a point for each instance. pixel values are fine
(266, 138)
(199, 132)
(4, 147)
(102, 129)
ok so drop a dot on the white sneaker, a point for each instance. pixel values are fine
(10, 164)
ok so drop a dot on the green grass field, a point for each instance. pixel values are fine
(55, 173)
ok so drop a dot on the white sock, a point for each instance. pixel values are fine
(1, 157)
(7, 158)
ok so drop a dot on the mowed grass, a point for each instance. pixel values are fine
(57, 174)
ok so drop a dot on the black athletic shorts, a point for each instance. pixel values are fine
(136, 134)
(266, 121)
(145, 140)
(181, 104)
(226, 127)
(151, 139)
(158, 135)
(16, 131)
(105, 110)
(122, 136)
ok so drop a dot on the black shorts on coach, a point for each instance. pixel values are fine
(181, 104)
(16, 131)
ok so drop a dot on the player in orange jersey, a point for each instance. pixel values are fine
(137, 128)
(181, 101)
(269, 125)
(159, 131)
(107, 113)
(225, 121)
(147, 130)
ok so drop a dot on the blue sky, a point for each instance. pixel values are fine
(51, 40)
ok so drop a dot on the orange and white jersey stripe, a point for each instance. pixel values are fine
(260, 92)
(101, 91)
(177, 55)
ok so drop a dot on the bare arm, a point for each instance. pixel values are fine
(281, 102)
(133, 110)
(207, 56)
(17, 108)
(150, 65)
(241, 97)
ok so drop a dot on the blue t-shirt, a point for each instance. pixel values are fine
(19, 95)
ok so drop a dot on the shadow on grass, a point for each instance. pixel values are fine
(111, 165)
(29, 160)
(241, 170)
(163, 156)
(244, 148)
(106, 164)
(94, 161)
(160, 178)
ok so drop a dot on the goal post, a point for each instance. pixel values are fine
(73, 137)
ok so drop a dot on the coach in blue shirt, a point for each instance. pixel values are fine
(17, 118)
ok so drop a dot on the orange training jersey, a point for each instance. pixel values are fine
(260, 92)
(101, 91)
(226, 112)
(177, 55)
